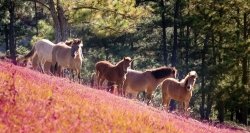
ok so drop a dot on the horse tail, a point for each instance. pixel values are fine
(27, 56)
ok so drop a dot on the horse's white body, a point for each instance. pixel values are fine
(43, 49)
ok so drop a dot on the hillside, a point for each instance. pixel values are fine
(35, 102)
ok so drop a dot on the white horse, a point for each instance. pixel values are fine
(43, 49)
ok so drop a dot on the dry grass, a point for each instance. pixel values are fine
(34, 102)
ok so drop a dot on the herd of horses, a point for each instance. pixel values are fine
(53, 58)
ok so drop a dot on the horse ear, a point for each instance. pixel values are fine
(77, 41)
(68, 42)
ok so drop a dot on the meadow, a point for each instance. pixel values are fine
(35, 102)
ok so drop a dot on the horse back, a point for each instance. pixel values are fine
(172, 88)
(137, 80)
(61, 54)
(103, 66)
(44, 49)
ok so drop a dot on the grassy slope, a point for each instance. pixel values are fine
(33, 102)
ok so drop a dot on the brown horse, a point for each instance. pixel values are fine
(178, 90)
(113, 73)
(138, 81)
(68, 56)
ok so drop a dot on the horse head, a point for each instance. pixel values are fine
(190, 80)
(76, 47)
(126, 63)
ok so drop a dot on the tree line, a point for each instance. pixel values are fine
(211, 37)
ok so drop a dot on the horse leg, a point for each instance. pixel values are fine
(79, 76)
(165, 101)
(123, 88)
(125, 85)
(101, 81)
(42, 67)
(149, 96)
(186, 109)
(98, 80)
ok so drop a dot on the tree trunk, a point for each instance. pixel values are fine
(36, 19)
(187, 49)
(6, 37)
(245, 74)
(60, 22)
(213, 81)
(11, 31)
(220, 107)
(53, 12)
(175, 44)
(164, 42)
(203, 71)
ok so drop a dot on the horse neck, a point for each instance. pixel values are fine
(79, 56)
(183, 81)
(119, 67)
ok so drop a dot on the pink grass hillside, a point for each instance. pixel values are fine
(35, 102)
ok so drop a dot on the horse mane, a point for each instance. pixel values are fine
(77, 42)
(125, 58)
(162, 72)
(183, 82)
(69, 43)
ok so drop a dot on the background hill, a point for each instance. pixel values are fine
(35, 102)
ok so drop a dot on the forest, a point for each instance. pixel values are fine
(208, 36)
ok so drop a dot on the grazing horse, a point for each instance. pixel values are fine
(113, 73)
(43, 50)
(68, 55)
(138, 81)
(178, 90)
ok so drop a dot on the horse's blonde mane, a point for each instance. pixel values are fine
(183, 81)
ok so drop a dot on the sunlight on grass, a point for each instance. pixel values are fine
(34, 102)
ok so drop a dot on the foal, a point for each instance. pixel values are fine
(113, 73)
(180, 91)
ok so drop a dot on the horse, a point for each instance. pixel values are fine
(110, 86)
(113, 73)
(36, 60)
(68, 56)
(138, 81)
(43, 50)
(35, 64)
(179, 90)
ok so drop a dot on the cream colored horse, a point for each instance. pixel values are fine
(68, 56)
(138, 81)
(43, 50)
(178, 90)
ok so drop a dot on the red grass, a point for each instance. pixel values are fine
(35, 102)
